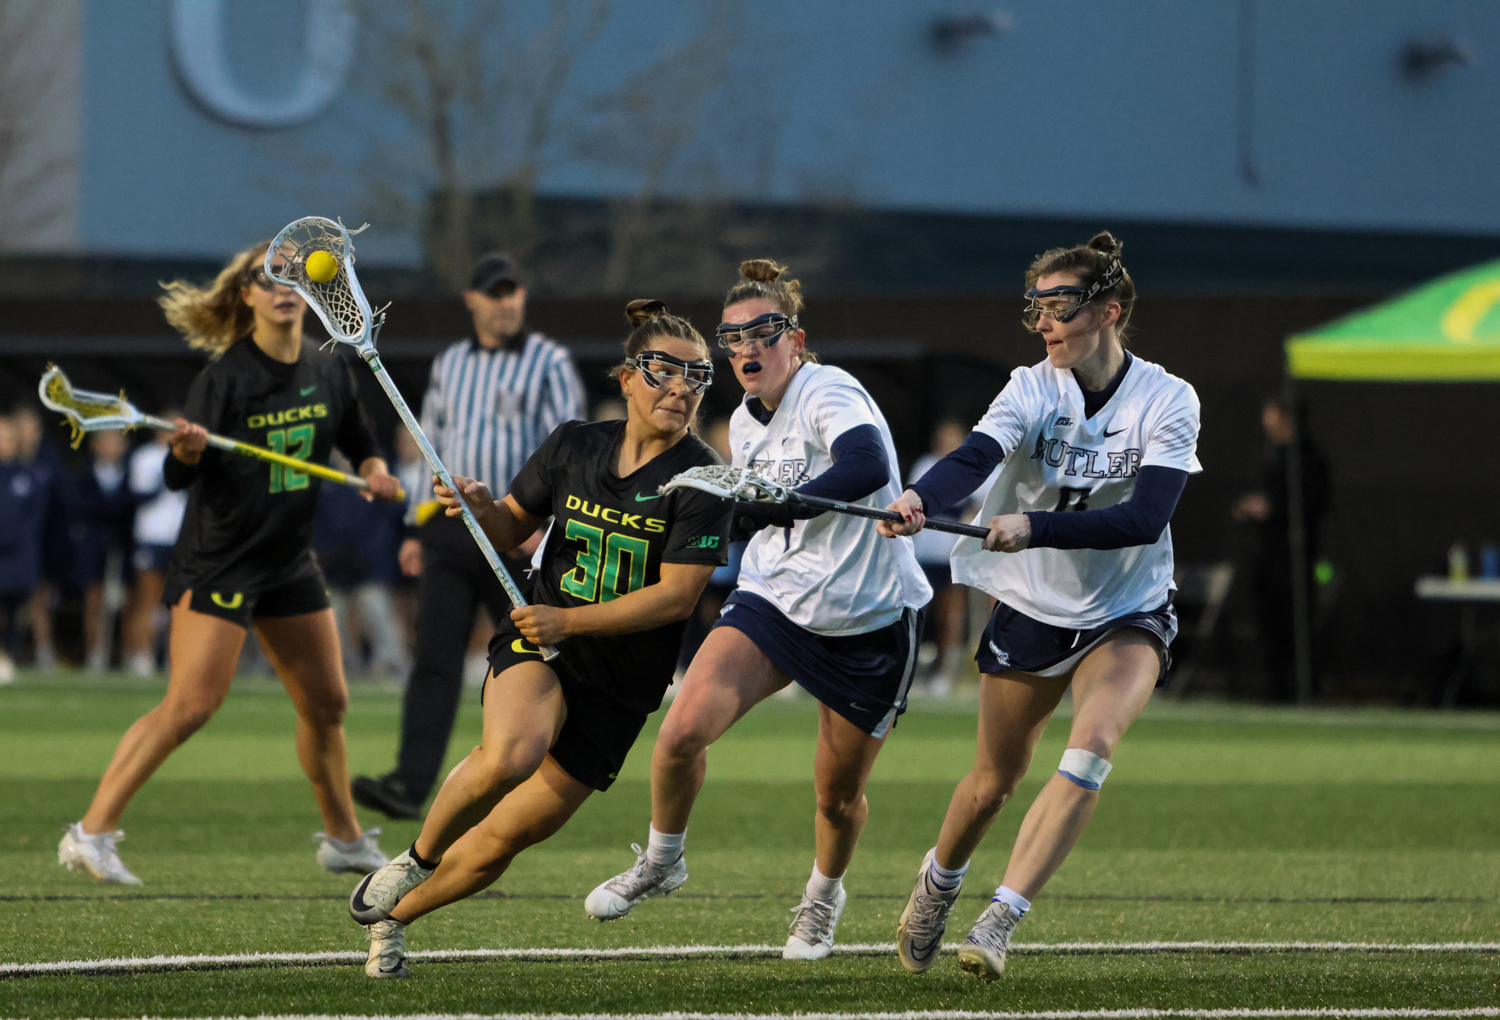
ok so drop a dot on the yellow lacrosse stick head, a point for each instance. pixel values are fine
(85, 410)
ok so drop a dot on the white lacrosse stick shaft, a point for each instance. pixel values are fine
(340, 304)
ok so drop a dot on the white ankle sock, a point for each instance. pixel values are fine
(1018, 903)
(946, 879)
(821, 887)
(663, 848)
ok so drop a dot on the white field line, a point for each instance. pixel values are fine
(231, 960)
(938, 1014)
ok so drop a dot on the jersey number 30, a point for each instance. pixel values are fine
(296, 441)
(587, 581)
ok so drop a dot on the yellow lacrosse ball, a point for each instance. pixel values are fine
(321, 267)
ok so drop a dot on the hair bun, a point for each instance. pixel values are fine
(643, 310)
(764, 270)
(1105, 241)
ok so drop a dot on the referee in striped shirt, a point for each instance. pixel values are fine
(491, 401)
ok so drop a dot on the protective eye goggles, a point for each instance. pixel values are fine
(259, 279)
(764, 330)
(659, 368)
(1063, 303)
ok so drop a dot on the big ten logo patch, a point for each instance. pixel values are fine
(791, 471)
(703, 542)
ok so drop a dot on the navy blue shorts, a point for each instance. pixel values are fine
(864, 677)
(1014, 641)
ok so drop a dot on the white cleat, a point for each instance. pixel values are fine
(94, 855)
(919, 935)
(378, 893)
(359, 857)
(983, 952)
(813, 927)
(619, 896)
(387, 950)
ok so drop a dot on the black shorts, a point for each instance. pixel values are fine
(303, 593)
(599, 730)
(1014, 641)
(863, 677)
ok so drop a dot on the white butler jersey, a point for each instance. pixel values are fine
(1057, 460)
(831, 575)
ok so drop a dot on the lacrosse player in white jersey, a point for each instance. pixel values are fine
(1094, 447)
(820, 602)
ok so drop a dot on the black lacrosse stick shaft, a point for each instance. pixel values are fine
(854, 509)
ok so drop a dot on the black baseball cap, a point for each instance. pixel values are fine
(493, 269)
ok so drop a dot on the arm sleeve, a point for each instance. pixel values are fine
(859, 467)
(954, 479)
(356, 437)
(532, 487)
(1140, 520)
(204, 407)
(699, 529)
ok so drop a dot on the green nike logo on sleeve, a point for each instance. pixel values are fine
(641, 499)
(307, 389)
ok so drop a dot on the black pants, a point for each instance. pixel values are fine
(455, 581)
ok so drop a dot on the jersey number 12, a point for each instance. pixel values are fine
(296, 441)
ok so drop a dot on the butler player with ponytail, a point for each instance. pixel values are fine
(622, 568)
(1095, 446)
(820, 602)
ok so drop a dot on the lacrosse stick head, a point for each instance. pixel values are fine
(85, 410)
(728, 482)
(339, 303)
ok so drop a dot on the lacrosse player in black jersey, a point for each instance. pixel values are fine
(243, 559)
(622, 569)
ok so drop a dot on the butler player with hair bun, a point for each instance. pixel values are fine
(1094, 446)
(622, 568)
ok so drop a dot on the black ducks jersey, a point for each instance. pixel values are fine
(609, 537)
(249, 524)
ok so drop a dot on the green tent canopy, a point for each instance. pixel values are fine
(1444, 331)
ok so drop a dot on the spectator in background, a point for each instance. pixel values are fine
(1267, 510)
(491, 400)
(103, 535)
(48, 472)
(358, 542)
(948, 615)
(158, 519)
(23, 508)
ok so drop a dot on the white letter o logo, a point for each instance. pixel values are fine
(198, 46)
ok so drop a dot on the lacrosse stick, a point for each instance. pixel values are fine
(341, 305)
(743, 484)
(91, 411)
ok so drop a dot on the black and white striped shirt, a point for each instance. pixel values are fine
(487, 410)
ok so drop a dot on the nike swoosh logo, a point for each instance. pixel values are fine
(641, 499)
(920, 953)
(359, 894)
(521, 649)
(307, 389)
(1116, 432)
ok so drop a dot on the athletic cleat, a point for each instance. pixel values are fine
(359, 857)
(620, 895)
(377, 894)
(94, 855)
(813, 927)
(983, 952)
(387, 950)
(387, 794)
(919, 935)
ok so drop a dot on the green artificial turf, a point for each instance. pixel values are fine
(1217, 824)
